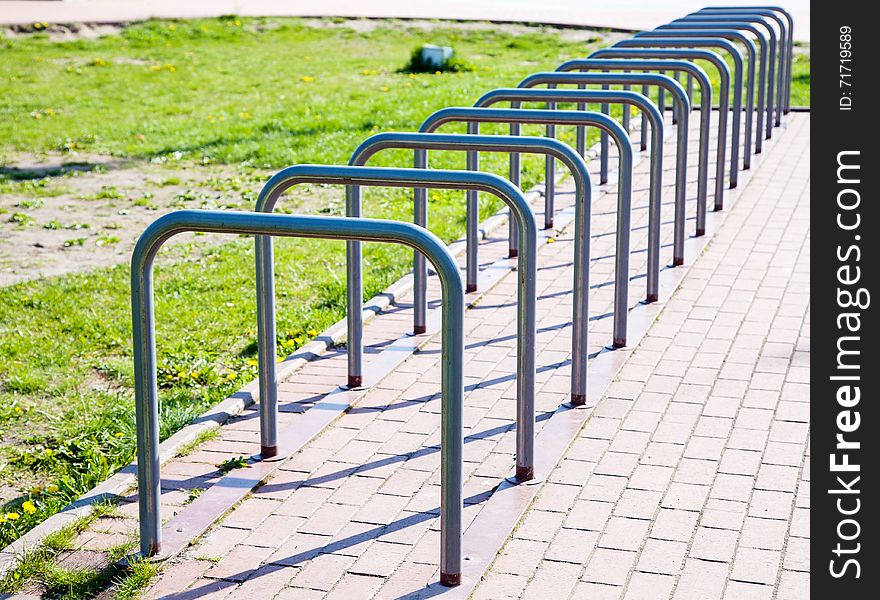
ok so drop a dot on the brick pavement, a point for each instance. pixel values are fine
(691, 479)
(354, 513)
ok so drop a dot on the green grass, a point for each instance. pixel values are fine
(40, 566)
(257, 93)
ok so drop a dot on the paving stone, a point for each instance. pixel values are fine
(624, 534)
(685, 496)
(381, 559)
(322, 572)
(701, 579)
(723, 514)
(713, 544)
(572, 545)
(609, 566)
(752, 565)
(240, 563)
(649, 586)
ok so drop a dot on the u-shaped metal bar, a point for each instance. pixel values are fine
(407, 178)
(554, 78)
(421, 144)
(786, 42)
(651, 114)
(677, 39)
(517, 95)
(764, 83)
(475, 116)
(736, 103)
(724, 103)
(341, 228)
(774, 78)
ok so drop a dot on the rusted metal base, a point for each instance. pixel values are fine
(548, 224)
(419, 329)
(576, 401)
(268, 451)
(677, 262)
(450, 579)
(651, 298)
(471, 287)
(701, 232)
(355, 381)
(525, 473)
(618, 344)
(512, 253)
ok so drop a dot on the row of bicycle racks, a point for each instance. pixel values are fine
(750, 47)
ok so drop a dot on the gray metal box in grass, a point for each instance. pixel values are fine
(436, 56)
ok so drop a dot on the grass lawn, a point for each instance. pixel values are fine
(259, 94)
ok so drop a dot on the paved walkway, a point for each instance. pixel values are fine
(687, 474)
(691, 479)
(623, 14)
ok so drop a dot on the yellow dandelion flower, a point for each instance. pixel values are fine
(49, 452)
(307, 78)
(51, 488)
(29, 507)
(12, 516)
(312, 332)
(172, 27)
(252, 362)
(118, 434)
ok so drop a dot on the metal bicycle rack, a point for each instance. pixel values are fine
(786, 42)
(474, 116)
(736, 103)
(342, 228)
(421, 143)
(408, 178)
(561, 76)
(772, 75)
(517, 95)
(671, 48)
(765, 95)
(723, 103)
(553, 78)
(677, 39)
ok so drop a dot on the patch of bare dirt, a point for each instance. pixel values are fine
(60, 216)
